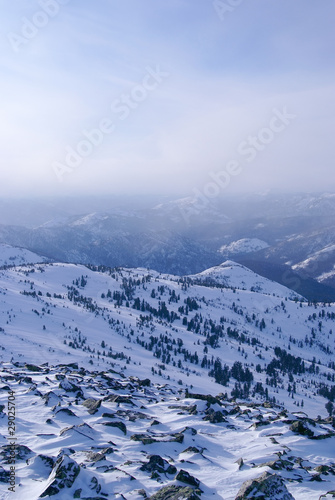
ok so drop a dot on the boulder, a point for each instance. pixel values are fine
(185, 477)
(119, 425)
(92, 405)
(300, 427)
(158, 464)
(175, 493)
(265, 487)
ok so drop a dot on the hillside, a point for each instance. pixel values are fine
(239, 337)
(13, 256)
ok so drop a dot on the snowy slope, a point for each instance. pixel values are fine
(234, 275)
(183, 336)
(14, 256)
(244, 245)
(93, 435)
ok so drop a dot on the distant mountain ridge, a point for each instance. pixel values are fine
(295, 231)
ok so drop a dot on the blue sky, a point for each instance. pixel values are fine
(221, 73)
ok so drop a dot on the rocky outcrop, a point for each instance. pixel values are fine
(159, 465)
(92, 405)
(63, 475)
(265, 487)
(175, 493)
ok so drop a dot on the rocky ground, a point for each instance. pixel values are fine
(99, 435)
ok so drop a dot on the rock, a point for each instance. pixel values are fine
(316, 477)
(62, 476)
(114, 398)
(211, 400)
(300, 427)
(214, 417)
(119, 425)
(158, 438)
(328, 495)
(185, 477)
(74, 366)
(175, 493)
(158, 464)
(144, 438)
(94, 485)
(322, 469)
(191, 449)
(189, 430)
(68, 386)
(66, 411)
(144, 383)
(4, 475)
(108, 415)
(50, 398)
(21, 453)
(265, 487)
(92, 405)
(33, 368)
(95, 457)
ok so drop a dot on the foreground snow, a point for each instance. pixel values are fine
(117, 437)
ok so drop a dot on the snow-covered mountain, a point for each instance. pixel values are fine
(108, 364)
(233, 275)
(185, 236)
(13, 256)
(244, 245)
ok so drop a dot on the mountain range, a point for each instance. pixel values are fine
(288, 238)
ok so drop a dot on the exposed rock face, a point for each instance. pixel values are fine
(300, 427)
(62, 476)
(158, 464)
(92, 405)
(22, 452)
(185, 477)
(266, 487)
(175, 493)
(119, 425)
(90, 466)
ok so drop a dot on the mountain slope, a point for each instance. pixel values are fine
(13, 256)
(108, 364)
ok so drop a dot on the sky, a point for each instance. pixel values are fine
(173, 97)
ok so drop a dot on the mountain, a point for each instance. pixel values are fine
(108, 364)
(230, 274)
(229, 370)
(186, 236)
(245, 245)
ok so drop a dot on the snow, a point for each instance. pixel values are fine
(41, 323)
(234, 275)
(244, 245)
(14, 256)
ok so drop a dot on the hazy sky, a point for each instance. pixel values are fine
(166, 95)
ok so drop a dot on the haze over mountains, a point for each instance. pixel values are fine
(289, 238)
